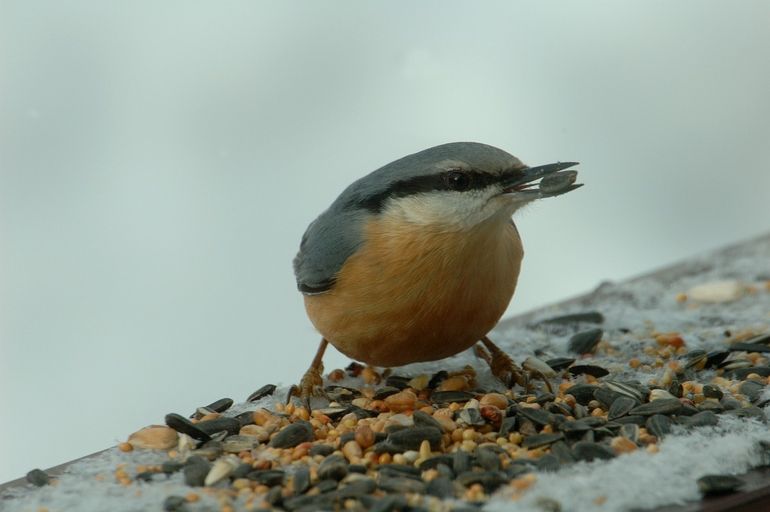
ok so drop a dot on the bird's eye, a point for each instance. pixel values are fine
(457, 180)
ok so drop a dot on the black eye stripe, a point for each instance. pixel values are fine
(420, 184)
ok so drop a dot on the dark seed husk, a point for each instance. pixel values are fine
(358, 488)
(630, 431)
(384, 392)
(439, 397)
(399, 470)
(716, 357)
(145, 476)
(606, 396)
(536, 416)
(749, 347)
(293, 434)
(538, 440)
(558, 410)
(589, 317)
(584, 450)
(661, 406)
(712, 391)
(341, 394)
(562, 452)
(335, 413)
(582, 425)
(630, 389)
(760, 339)
(548, 462)
(357, 468)
(701, 419)
(185, 426)
(676, 388)
(171, 466)
(470, 417)
(520, 467)
(751, 389)
(266, 390)
(210, 450)
(230, 425)
(440, 487)
(38, 477)
(320, 449)
(398, 381)
(583, 393)
(718, 484)
(241, 471)
(508, 425)
(589, 369)
(710, 404)
(390, 503)
(748, 412)
(658, 425)
(487, 459)
(174, 503)
(632, 420)
(585, 342)
(220, 405)
(308, 502)
(742, 373)
(490, 480)
(422, 419)
(333, 467)
(729, 403)
(274, 496)
(434, 462)
(301, 480)
(328, 485)
(401, 484)
(461, 462)
(411, 438)
(245, 418)
(560, 363)
(195, 471)
(437, 378)
(268, 477)
(620, 407)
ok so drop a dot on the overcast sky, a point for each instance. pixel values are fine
(159, 162)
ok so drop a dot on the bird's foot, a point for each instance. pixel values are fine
(506, 370)
(312, 382)
(502, 366)
(311, 385)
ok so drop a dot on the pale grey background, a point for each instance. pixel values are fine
(159, 162)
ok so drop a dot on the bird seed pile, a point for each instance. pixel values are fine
(620, 393)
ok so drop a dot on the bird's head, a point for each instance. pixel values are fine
(458, 186)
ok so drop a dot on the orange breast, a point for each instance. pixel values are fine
(415, 293)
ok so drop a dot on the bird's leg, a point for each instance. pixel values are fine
(312, 382)
(501, 365)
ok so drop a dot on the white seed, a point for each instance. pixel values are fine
(221, 469)
(717, 291)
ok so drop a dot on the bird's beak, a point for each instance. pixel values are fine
(521, 183)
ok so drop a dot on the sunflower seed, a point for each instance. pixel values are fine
(292, 435)
(585, 342)
(661, 406)
(718, 484)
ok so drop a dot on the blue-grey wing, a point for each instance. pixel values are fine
(327, 243)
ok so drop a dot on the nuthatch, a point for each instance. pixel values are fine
(418, 260)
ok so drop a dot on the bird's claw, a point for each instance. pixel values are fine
(311, 385)
(505, 369)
